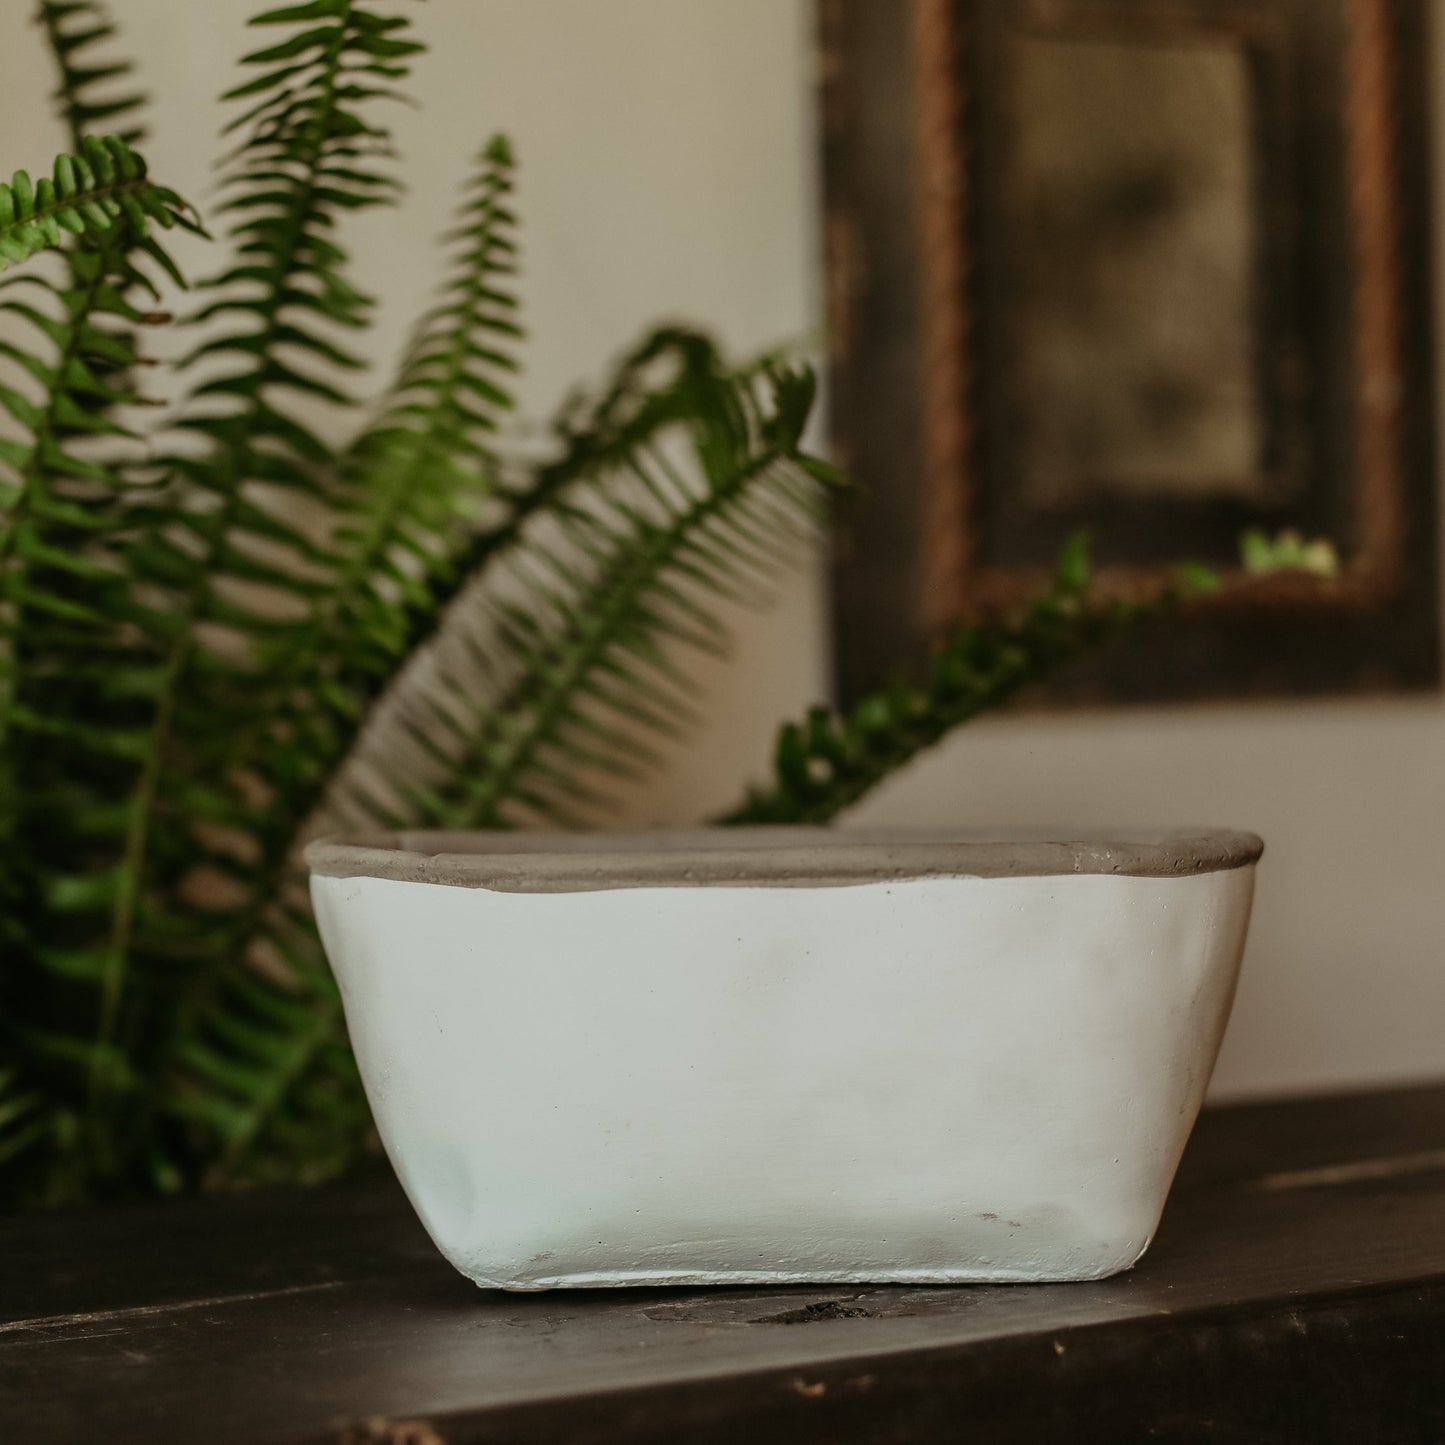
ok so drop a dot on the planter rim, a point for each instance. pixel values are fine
(547, 862)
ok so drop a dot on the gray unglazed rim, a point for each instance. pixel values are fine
(769, 857)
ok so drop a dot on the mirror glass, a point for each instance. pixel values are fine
(1132, 260)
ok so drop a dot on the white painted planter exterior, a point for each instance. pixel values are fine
(588, 1079)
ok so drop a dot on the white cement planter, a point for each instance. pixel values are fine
(791, 1055)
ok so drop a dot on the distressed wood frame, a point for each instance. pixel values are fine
(903, 290)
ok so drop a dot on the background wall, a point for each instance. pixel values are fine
(668, 171)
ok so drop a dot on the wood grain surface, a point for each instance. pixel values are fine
(1296, 1292)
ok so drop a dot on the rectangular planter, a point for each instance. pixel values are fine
(785, 1055)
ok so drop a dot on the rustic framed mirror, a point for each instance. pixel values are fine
(1154, 268)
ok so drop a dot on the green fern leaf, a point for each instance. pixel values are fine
(408, 488)
(71, 733)
(89, 194)
(94, 92)
(828, 762)
(685, 485)
(22, 1117)
(227, 558)
(89, 97)
(223, 551)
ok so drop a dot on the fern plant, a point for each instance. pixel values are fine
(220, 633)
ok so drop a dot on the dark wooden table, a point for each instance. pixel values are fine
(1296, 1292)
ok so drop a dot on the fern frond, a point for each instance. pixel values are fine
(675, 491)
(829, 762)
(453, 381)
(94, 93)
(90, 193)
(62, 505)
(90, 96)
(22, 1116)
(225, 550)
(242, 562)
(265, 1078)
(72, 662)
(238, 547)
(407, 498)
(309, 156)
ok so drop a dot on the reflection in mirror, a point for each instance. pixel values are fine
(1132, 252)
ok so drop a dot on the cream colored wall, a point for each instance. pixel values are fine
(668, 170)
